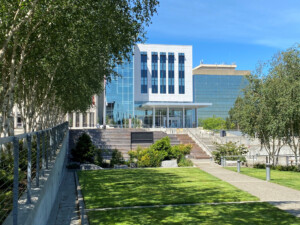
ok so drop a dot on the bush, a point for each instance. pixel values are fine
(179, 151)
(147, 157)
(184, 162)
(159, 151)
(116, 158)
(259, 166)
(230, 148)
(84, 150)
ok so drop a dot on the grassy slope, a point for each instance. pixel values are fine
(285, 178)
(236, 214)
(113, 188)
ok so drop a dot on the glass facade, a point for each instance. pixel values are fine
(154, 79)
(171, 72)
(144, 79)
(120, 93)
(162, 73)
(181, 72)
(220, 90)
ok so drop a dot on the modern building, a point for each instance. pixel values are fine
(155, 89)
(219, 85)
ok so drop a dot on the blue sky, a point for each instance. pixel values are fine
(228, 31)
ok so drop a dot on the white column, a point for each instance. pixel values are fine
(153, 117)
(88, 119)
(74, 119)
(80, 120)
(183, 117)
(167, 116)
(196, 117)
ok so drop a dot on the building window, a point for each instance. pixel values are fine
(162, 73)
(144, 82)
(154, 79)
(84, 120)
(171, 73)
(92, 120)
(181, 72)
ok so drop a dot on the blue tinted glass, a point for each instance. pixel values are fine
(154, 73)
(181, 72)
(171, 73)
(220, 90)
(119, 94)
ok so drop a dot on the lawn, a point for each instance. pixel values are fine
(132, 187)
(285, 178)
(236, 214)
(140, 187)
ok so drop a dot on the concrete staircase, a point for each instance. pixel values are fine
(196, 152)
(119, 139)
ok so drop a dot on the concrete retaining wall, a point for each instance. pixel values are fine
(43, 198)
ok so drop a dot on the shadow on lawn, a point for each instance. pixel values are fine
(117, 188)
(236, 214)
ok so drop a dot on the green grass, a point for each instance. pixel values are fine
(285, 178)
(132, 187)
(236, 214)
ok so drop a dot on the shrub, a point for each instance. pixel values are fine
(162, 145)
(84, 150)
(259, 166)
(147, 157)
(116, 158)
(184, 162)
(230, 148)
(179, 151)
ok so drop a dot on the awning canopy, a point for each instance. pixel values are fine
(186, 105)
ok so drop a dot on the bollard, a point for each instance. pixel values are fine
(222, 161)
(287, 160)
(268, 171)
(239, 166)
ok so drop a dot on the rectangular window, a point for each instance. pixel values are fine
(144, 81)
(154, 73)
(162, 73)
(171, 72)
(181, 72)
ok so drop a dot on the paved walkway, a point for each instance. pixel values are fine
(65, 211)
(282, 197)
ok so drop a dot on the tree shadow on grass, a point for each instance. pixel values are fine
(236, 214)
(138, 187)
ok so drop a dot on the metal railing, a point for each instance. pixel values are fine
(23, 161)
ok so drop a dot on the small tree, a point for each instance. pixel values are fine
(229, 149)
(84, 150)
(214, 123)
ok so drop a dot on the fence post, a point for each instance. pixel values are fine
(29, 169)
(50, 143)
(268, 171)
(16, 180)
(37, 177)
(43, 154)
(238, 165)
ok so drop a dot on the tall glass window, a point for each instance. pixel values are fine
(162, 73)
(144, 82)
(181, 72)
(171, 73)
(154, 73)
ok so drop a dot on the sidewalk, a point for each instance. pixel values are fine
(65, 210)
(282, 197)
